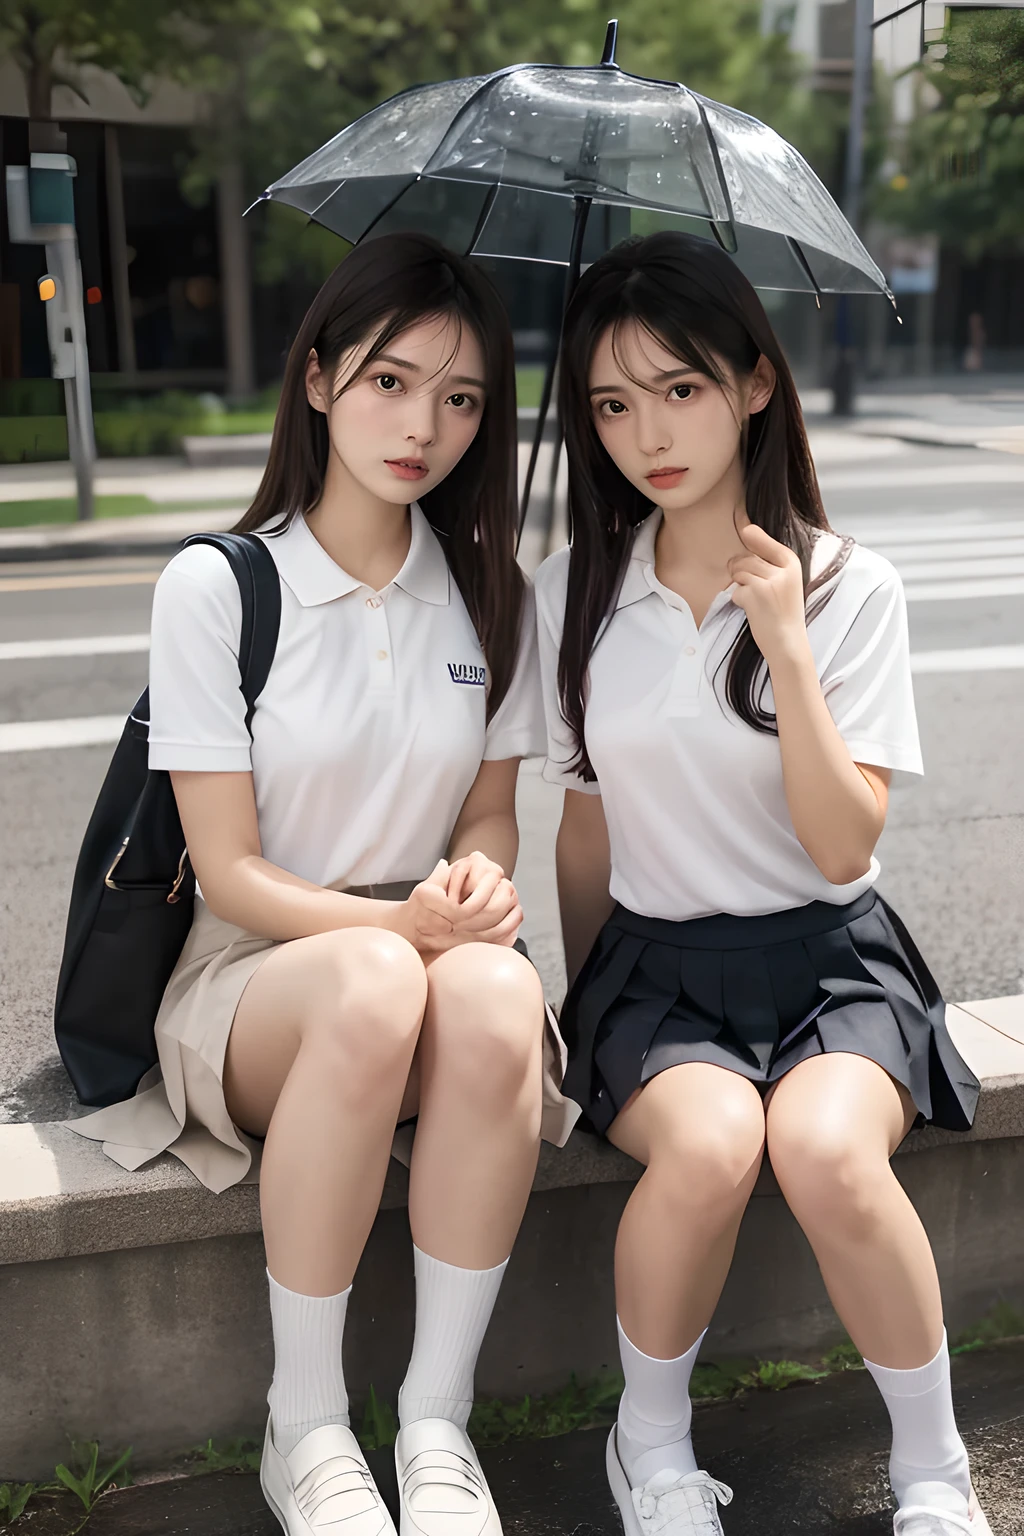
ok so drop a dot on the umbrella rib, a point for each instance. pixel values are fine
(722, 183)
(802, 259)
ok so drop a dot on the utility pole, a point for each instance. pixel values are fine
(843, 382)
(41, 211)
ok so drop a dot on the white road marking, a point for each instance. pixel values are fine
(980, 658)
(952, 591)
(38, 735)
(95, 645)
(933, 474)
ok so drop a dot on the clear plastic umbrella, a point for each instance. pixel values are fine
(546, 163)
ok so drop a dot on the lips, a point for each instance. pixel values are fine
(407, 469)
(665, 478)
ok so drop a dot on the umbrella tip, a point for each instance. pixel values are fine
(610, 39)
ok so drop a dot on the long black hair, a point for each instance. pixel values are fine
(379, 290)
(687, 293)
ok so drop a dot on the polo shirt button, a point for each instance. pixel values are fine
(373, 602)
(691, 650)
(382, 655)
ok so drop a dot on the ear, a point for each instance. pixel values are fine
(316, 394)
(762, 385)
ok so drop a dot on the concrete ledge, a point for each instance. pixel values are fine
(133, 1306)
(61, 1196)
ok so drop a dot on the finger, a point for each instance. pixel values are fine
(753, 564)
(506, 930)
(481, 895)
(763, 544)
(459, 880)
(494, 913)
(431, 898)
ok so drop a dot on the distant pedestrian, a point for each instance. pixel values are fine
(728, 690)
(350, 965)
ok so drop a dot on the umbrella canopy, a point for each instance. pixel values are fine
(494, 164)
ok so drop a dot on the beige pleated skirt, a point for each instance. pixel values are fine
(179, 1105)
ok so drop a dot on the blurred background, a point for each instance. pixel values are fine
(179, 112)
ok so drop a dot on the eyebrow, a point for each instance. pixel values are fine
(401, 362)
(659, 378)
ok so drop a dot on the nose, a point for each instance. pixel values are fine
(421, 422)
(652, 434)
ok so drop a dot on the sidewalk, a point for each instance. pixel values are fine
(810, 1458)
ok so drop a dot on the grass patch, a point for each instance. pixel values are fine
(1000, 1325)
(64, 509)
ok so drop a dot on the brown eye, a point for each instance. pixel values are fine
(687, 387)
(387, 382)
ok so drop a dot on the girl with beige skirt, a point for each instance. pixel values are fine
(353, 965)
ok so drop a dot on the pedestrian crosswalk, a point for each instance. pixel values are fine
(948, 556)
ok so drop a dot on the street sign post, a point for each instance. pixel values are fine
(40, 211)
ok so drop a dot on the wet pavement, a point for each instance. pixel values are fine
(809, 1459)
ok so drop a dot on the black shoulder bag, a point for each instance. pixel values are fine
(134, 890)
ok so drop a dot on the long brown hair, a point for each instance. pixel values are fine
(380, 290)
(690, 295)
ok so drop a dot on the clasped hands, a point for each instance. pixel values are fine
(467, 902)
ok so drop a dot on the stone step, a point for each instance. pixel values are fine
(133, 1305)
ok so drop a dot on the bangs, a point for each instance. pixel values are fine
(406, 319)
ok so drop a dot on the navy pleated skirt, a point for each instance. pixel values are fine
(758, 995)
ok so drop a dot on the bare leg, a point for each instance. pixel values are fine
(317, 1061)
(477, 1081)
(700, 1130)
(833, 1124)
(478, 1078)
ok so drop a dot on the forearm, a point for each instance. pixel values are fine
(496, 835)
(835, 812)
(262, 898)
(583, 872)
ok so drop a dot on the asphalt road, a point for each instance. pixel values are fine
(952, 854)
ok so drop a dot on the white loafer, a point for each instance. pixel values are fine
(323, 1485)
(946, 1514)
(440, 1482)
(669, 1503)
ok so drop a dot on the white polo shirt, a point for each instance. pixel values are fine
(371, 727)
(694, 798)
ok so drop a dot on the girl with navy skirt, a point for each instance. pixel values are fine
(728, 691)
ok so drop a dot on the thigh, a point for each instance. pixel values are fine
(834, 1102)
(695, 1111)
(301, 985)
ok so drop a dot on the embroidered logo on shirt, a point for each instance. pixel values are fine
(462, 672)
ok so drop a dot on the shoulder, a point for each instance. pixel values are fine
(197, 588)
(864, 571)
(550, 583)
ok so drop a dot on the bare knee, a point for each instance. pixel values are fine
(831, 1180)
(711, 1159)
(369, 1006)
(485, 1012)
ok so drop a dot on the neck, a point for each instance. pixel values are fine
(367, 536)
(705, 536)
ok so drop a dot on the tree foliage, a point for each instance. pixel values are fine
(962, 172)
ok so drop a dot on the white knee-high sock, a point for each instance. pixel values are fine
(453, 1308)
(654, 1412)
(308, 1388)
(926, 1447)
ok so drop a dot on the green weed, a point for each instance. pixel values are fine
(777, 1374)
(13, 1498)
(843, 1357)
(1000, 1323)
(380, 1427)
(87, 1482)
(229, 1456)
(578, 1405)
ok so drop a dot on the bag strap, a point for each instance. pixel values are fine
(260, 589)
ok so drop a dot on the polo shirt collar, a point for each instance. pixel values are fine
(640, 579)
(308, 570)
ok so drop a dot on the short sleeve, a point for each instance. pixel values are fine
(197, 712)
(552, 579)
(516, 728)
(868, 685)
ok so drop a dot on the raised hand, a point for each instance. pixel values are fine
(770, 590)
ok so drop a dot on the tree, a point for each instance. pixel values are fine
(962, 171)
(50, 40)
